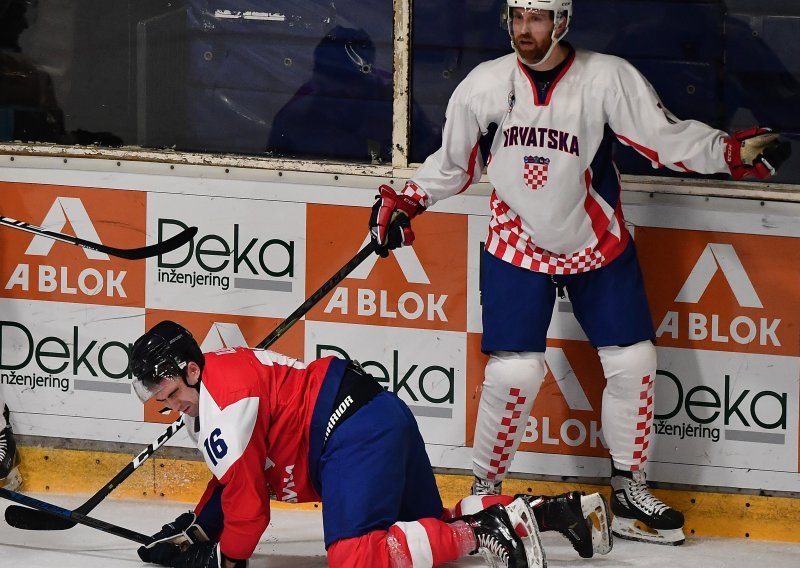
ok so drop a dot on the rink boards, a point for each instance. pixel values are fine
(721, 276)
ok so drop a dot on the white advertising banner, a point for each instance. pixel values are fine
(727, 409)
(424, 368)
(720, 277)
(247, 258)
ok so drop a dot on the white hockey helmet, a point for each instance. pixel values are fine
(562, 14)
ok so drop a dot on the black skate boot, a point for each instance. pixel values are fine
(632, 502)
(583, 520)
(507, 536)
(486, 486)
(9, 458)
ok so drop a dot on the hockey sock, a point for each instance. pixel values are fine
(627, 412)
(473, 503)
(512, 381)
(422, 544)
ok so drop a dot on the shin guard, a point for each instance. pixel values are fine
(627, 412)
(512, 381)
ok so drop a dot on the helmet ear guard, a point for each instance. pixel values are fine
(162, 353)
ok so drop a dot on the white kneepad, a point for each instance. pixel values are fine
(626, 367)
(521, 370)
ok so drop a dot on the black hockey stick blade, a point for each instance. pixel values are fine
(59, 512)
(157, 249)
(37, 520)
(323, 290)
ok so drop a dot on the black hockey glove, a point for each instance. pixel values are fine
(204, 555)
(171, 539)
(390, 221)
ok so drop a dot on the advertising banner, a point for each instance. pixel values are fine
(721, 286)
(246, 259)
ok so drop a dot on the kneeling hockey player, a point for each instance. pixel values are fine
(270, 426)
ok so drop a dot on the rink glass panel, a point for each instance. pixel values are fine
(279, 78)
(731, 63)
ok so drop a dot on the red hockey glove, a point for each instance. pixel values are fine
(756, 152)
(390, 221)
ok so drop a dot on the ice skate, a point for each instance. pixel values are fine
(582, 519)
(10, 477)
(486, 486)
(507, 536)
(638, 515)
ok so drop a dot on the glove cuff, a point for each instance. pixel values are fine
(419, 198)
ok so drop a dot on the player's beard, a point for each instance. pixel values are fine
(534, 52)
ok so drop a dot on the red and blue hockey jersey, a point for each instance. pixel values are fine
(253, 425)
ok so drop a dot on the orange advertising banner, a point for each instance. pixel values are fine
(722, 291)
(423, 286)
(35, 267)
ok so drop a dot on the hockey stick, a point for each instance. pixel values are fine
(38, 520)
(157, 249)
(60, 513)
(323, 290)
(28, 519)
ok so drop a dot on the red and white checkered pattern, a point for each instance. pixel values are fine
(413, 191)
(502, 451)
(535, 175)
(644, 424)
(509, 242)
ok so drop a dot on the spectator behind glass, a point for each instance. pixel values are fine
(345, 110)
(28, 108)
(29, 111)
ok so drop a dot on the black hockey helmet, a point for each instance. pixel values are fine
(161, 353)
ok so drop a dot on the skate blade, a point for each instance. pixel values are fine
(527, 529)
(12, 481)
(631, 529)
(596, 512)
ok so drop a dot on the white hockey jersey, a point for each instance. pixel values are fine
(556, 207)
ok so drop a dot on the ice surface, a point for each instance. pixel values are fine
(294, 540)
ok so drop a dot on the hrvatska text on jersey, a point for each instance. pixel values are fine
(541, 138)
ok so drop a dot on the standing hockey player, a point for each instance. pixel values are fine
(10, 477)
(556, 224)
(326, 431)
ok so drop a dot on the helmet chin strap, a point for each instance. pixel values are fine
(553, 42)
(547, 55)
(185, 378)
(196, 386)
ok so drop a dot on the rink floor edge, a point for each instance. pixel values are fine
(68, 471)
